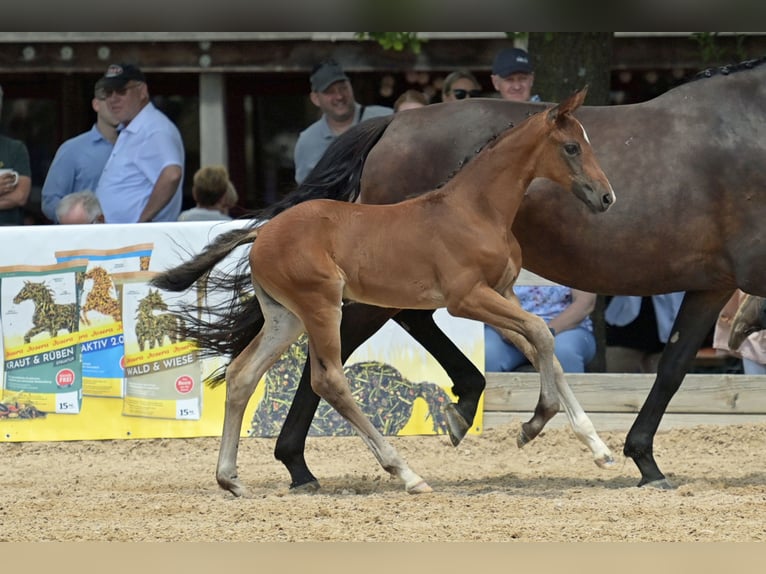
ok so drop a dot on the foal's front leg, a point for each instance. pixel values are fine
(578, 420)
(488, 306)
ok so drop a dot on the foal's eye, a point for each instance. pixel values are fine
(572, 148)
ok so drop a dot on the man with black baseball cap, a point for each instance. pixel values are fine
(143, 178)
(332, 93)
(513, 75)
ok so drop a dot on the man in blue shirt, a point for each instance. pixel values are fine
(79, 161)
(143, 177)
(332, 93)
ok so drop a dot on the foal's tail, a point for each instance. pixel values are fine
(227, 315)
(183, 276)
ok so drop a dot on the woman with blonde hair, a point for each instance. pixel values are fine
(459, 85)
(212, 191)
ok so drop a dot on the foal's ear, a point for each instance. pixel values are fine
(569, 105)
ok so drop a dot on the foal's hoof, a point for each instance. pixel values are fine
(419, 488)
(661, 484)
(232, 485)
(457, 426)
(606, 462)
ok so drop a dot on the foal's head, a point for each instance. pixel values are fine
(568, 156)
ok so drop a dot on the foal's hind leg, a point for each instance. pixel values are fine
(329, 382)
(578, 420)
(359, 323)
(281, 328)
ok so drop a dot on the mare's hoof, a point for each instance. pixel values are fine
(457, 426)
(522, 439)
(419, 488)
(306, 488)
(606, 462)
(661, 484)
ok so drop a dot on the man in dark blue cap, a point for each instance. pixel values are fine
(143, 177)
(513, 75)
(332, 93)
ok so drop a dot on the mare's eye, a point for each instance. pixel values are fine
(572, 148)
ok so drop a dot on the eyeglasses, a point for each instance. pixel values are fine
(119, 91)
(463, 94)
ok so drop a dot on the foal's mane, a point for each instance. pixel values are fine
(729, 69)
(486, 145)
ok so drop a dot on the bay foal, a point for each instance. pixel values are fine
(451, 247)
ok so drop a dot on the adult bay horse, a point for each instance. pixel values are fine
(451, 247)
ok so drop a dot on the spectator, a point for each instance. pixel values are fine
(80, 207)
(80, 160)
(513, 75)
(567, 313)
(637, 329)
(230, 200)
(410, 100)
(459, 85)
(14, 189)
(143, 178)
(210, 190)
(752, 350)
(332, 93)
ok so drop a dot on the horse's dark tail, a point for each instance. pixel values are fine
(227, 316)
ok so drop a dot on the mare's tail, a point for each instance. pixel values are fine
(227, 315)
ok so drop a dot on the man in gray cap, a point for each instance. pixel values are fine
(332, 93)
(513, 75)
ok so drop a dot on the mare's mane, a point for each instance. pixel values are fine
(729, 69)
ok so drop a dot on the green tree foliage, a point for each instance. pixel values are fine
(397, 41)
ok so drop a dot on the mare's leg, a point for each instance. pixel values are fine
(359, 323)
(467, 381)
(579, 421)
(281, 328)
(696, 317)
(488, 306)
(321, 315)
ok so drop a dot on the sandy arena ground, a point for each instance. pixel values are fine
(485, 490)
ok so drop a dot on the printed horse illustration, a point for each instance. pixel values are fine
(692, 203)
(450, 247)
(100, 296)
(380, 389)
(48, 316)
(152, 329)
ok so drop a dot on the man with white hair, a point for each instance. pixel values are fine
(80, 207)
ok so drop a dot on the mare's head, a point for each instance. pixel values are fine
(569, 159)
